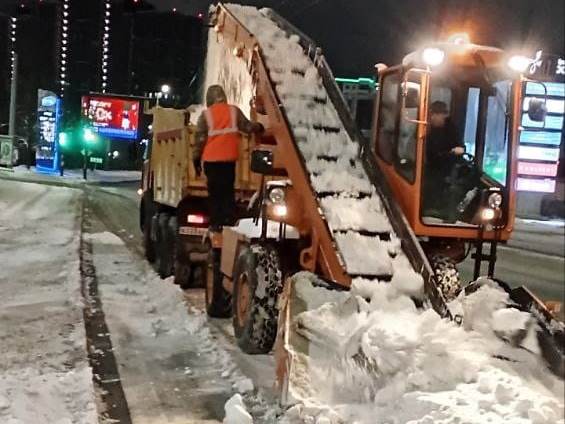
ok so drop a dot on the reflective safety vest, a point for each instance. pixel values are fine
(223, 140)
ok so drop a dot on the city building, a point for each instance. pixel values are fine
(77, 47)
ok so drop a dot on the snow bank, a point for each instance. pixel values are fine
(374, 357)
(44, 371)
(45, 396)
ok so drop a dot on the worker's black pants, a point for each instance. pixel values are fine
(221, 193)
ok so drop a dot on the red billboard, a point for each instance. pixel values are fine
(111, 116)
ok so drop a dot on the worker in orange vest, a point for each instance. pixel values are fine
(217, 147)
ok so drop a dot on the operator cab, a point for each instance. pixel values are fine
(445, 134)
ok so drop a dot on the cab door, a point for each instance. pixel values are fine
(399, 132)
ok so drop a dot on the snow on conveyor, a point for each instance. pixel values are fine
(351, 206)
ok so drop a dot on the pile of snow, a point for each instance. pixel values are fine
(373, 357)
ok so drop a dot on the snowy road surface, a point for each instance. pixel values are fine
(44, 372)
(174, 365)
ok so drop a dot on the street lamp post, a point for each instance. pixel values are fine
(165, 90)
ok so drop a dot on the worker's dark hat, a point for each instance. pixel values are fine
(438, 107)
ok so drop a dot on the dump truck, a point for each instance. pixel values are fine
(174, 201)
(326, 200)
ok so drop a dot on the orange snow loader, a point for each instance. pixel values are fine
(327, 203)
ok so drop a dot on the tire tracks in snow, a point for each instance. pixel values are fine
(105, 374)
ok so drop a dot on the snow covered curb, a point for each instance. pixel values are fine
(44, 373)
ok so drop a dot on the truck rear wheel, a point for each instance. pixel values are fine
(218, 300)
(258, 282)
(447, 276)
(147, 211)
(164, 254)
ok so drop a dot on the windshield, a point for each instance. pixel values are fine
(466, 145)
(478, 113)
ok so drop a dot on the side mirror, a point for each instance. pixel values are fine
(537, 110)
(262, 162)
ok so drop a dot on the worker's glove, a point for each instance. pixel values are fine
(197, 167)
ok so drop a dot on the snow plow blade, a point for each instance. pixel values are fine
(293, 350)
(551, 331)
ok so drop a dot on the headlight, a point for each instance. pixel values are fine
(487, 214)
(433, 56)
(277, 195)
(519, 63)
(280, 210)
(495, 200)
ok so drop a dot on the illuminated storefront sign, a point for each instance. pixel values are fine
(111, 116)
(540, 141)
(538, 153)
(537, 169)
(538, 185)
(552, 138)
(48, 115)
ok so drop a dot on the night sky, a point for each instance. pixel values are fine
(356, 34)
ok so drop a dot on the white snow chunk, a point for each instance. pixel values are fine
(236, 413)
(244, 385)
(105, 237)
(507, 321)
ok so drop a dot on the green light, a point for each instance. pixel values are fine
(360, 81)
(89, 135)
(63, 139)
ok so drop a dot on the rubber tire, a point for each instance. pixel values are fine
(262, 267)
(218, 300)
(147, 211)
(447, 276)
(163, 264)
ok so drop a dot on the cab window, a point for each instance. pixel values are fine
(388, 114)
(405, 161)
(495, 156)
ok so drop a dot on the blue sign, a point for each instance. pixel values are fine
(48, 117)
(48, 101)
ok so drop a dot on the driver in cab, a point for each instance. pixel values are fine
(443, 139)
(442, 146)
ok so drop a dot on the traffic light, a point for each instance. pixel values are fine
(89, 136)
(64, 139)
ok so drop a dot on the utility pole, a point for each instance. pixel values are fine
(13, 100)
(13, 94)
